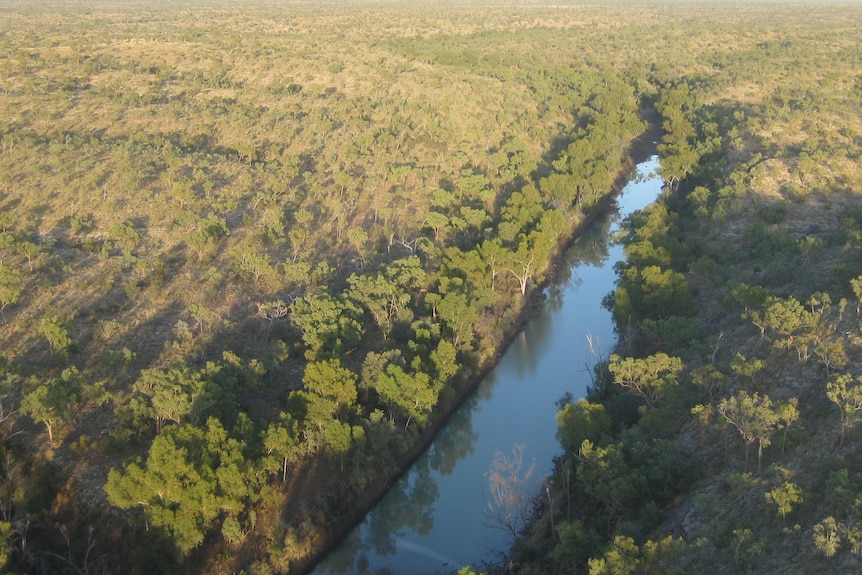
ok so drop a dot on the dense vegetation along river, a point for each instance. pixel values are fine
(432, 519)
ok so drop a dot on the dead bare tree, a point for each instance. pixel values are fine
(512, 486)
(593, 364)
(270, 312)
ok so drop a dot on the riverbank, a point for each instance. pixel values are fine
(642, 147)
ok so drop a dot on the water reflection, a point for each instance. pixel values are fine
(409, 505)
(590, 250)
(431, 520)
(455, 441)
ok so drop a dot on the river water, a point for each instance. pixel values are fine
(431, 520)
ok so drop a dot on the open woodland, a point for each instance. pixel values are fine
(251, 254)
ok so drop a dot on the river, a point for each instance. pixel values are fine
(432, 520)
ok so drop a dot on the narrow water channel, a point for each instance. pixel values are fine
(431, 520)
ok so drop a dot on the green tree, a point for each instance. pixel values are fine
(11, 286)
(749, 297)
(786, 318)
(665, 293)
(621, 558)
(411, 394)
(190, 478)
(827, 537)
(445, 360)
(650, 292)
(338, 439)
(470, 272)
(6, 547)
(579, 421)
(124, 235)
(846, 393)
(578, 541)
(651, 377)
(281, 441)
(330, 326)
(206, 232)
(559, 190)
(455, 309)
(437, 222)
(831, 354)
(754, 417)
(177, 395)
(253, 262)
(677, 149)
(747, 368)
(331, 381)
(624, 557)
(358, 237)
(707, 378)
(856, 286)
(54, 402)
(56, 333)
(606, 477)
(204, 316)
(785, 497)
(387, 295)
(788, 413)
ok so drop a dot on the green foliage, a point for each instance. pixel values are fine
(606, 477)
(733, 229)
(56, 332)
(54, 402)
(577, 542)
(5, 545)
(191, 476)
(388, 294)
(125, 236)
(650, 237)
(187, 395)
(673, 334)
(178, 395)
(827, 537)
(650, 293)
(846, 393)
(677, 149)
(581, 421)
(330, 326)
(624, 557)
(620, 559)
(651, 378)
(205, 234)
(749, 297)
(11, 286)
(253, 263)
(754, 417)
(785, 497)
(412, 395)
(332, 382)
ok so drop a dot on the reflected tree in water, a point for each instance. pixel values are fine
(455, 441)
(410, 505)
(511, 486)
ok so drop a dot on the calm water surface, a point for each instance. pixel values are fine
(431, 520)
